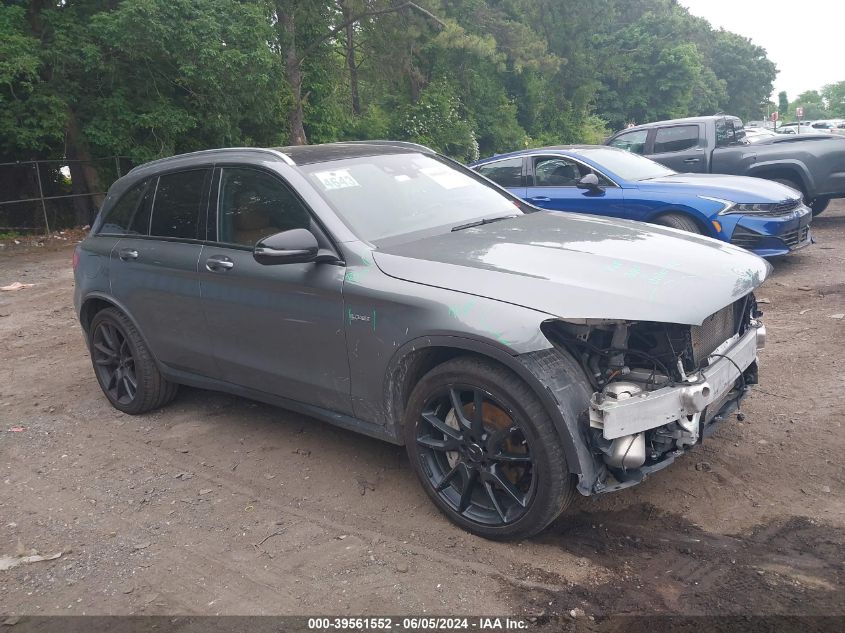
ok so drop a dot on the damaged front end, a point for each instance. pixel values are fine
(659, 388)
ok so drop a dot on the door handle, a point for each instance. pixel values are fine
(127, 253)
(691, 160)
(219, 263)
(540, 199)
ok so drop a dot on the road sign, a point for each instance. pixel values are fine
(774, 116)
(799, 112)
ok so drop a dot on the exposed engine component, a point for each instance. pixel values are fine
(667, 370)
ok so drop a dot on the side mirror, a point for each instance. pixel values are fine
(590, 181)
(295, 246)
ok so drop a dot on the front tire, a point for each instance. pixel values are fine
(678, 221)
(124, 366)
(819, 205)
(485, 450)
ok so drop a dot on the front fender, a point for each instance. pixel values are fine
(555, 379)
(792, 166)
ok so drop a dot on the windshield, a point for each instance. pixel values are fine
(624, 164)
(389, 195)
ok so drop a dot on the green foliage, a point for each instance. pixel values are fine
(31, 117)
(436, 121)
(148, 78)
(834, 96)
(783, 103)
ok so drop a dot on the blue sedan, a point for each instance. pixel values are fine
(765, 217)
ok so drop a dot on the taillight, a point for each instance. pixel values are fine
(75, 259)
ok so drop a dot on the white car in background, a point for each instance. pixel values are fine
(755, 134)
(806, 127)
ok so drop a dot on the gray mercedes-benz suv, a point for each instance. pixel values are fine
(518, 354)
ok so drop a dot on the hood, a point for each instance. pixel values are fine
(733, 188)
(583, 267)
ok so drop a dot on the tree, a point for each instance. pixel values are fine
(783, 104)
(306, 27)
(834, 95)
(747, 72)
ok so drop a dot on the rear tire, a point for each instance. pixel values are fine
(678, 221)
(501, 475)
(124, 366)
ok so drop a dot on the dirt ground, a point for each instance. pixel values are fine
(218, 505)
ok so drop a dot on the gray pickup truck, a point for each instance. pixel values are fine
(814, 164)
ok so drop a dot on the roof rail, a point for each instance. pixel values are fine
(406, 144)
(281, 155)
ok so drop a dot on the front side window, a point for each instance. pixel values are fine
(675, 139)
(633, 142)
(177, 204)
(723, 136)
(507, 173)
(254, 204)
(555, 172)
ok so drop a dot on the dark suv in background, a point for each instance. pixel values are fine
(519, 355)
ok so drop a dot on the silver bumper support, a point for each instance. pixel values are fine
(653, 409)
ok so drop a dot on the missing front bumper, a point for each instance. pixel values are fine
(652, 409)
(678, 415)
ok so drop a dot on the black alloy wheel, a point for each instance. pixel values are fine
(114, 363)
(485, 449)
(124, 366)
(476, 456)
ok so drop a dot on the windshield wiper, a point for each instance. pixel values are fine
(481, 222)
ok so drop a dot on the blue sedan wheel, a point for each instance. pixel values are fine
(678, 221)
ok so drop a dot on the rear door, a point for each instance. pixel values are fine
(681, 147)
(508, 173)
(278, 328)
(154, 268)
(552, 184)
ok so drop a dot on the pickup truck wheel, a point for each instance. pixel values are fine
(819, 204)
(678, 221)
(485, 450)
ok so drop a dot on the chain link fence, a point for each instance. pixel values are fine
(42, 196)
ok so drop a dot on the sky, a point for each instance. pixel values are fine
(805, 39)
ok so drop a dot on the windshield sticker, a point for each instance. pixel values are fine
(447, 178)
(338, 179)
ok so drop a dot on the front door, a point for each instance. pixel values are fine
(274, 328)
(552, 184)
(154, 265)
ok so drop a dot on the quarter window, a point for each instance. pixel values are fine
(675, 139)
(254, 205)
(507, 173)
(119, 219)
(177, 205)
(633, 142)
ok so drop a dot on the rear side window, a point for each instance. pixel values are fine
(120, 217)
(633, 142)
(675, 139)
(506, 173)
(177, 204)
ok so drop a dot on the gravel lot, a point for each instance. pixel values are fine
(218, 505)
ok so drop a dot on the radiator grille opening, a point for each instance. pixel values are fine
(715, 330)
